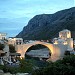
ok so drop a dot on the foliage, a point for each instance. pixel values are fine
(12, 70)
(69, 60)
(1, 67)
(25, 66)
(67, 53)
(66, 66)
(12, 49)
(1, 46)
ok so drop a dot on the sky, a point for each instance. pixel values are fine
(15, 14)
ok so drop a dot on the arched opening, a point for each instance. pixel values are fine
(38, 52)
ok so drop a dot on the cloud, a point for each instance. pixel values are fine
(18, 12)
(19, 8)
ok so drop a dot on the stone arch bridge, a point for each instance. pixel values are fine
(55, 51)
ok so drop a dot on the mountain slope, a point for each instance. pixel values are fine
(47, 26)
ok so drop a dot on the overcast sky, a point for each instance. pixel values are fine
(14, 14)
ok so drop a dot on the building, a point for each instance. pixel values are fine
(15, 41)
(64, 39)
(4, 53)
(65, 34)
(3, 36)
(64, 42)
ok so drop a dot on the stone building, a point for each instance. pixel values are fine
(4, 54)
(64, 39)
(3, 36)
(64, 42)
(15, 41)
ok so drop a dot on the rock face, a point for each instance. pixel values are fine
(47, 26)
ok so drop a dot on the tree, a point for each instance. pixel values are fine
(12, 49)
(66, 66)
(1, 46)
(69, 59)
(25, 66)
(67, 53)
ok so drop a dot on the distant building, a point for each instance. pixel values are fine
(65, 34)
(4, 54)
(64, 39)
(15, 41)
(3, 36)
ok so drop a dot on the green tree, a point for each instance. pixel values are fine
(12, 49)
(25, 66)
(67, 53)
(69, 60)
(66, 66)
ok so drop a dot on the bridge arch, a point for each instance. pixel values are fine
(36, 47)
(23, 48)
(39, 47)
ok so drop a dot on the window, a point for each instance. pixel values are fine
(3, 38)
(17, 43)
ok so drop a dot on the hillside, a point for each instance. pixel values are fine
(47, 26)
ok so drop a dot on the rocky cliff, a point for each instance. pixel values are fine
(47, 26)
